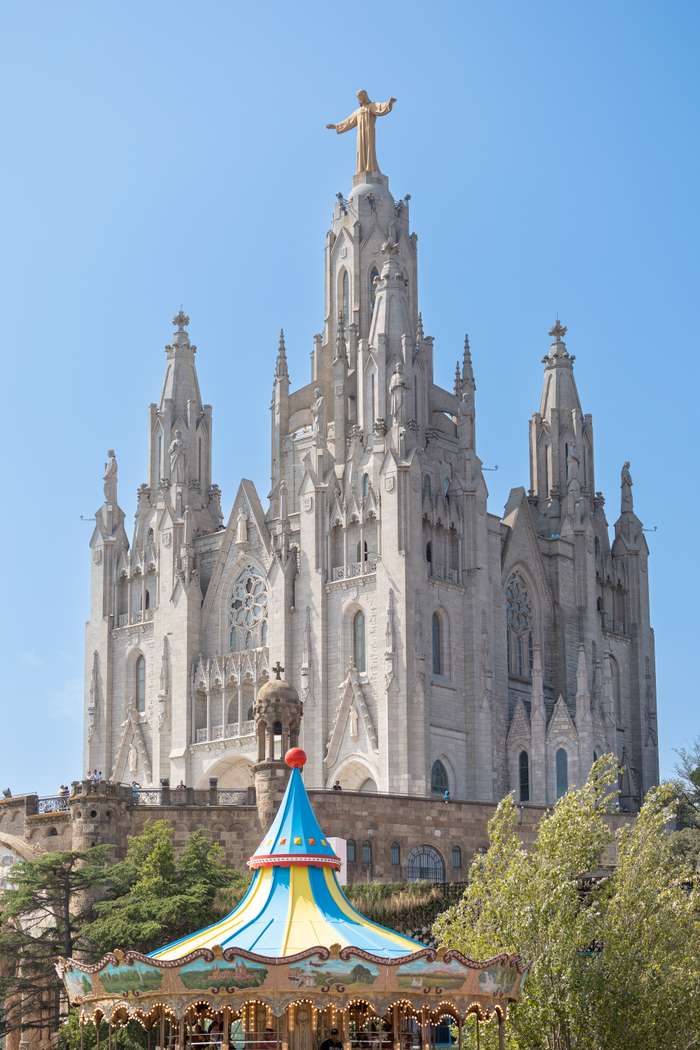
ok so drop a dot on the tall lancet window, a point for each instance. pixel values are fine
(437, 644)
(372, 280)
(358, 642)
(345, 295)
(140, 690)
(562, 769)
(519, 627)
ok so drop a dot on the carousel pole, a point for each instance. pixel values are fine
(396, 1025)
(501, 1032)
(181, 1032)
(81, 1033)
(162, 1029)
(425, 1031)
(227, 1027)
(97, 1026)
(345, 1014)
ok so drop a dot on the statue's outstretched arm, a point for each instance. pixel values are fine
(380, 109)
(345, 125)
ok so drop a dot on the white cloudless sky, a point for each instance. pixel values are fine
(166, 153)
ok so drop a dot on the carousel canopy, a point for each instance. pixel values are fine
(294, 901)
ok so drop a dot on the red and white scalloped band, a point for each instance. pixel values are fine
(283, 859)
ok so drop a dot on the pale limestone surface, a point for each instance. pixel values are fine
(377, 506)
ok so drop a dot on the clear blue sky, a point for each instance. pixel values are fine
(165, 152)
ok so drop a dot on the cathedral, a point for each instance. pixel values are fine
(436, 646)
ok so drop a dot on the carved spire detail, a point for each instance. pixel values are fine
(468, 382)
(281, 370)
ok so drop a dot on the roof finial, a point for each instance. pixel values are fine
(419, 330)
(557, 350)
(181, 320)
(281, 366)
(467, 368)
(458, 381)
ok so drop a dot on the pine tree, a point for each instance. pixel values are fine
(43, 915)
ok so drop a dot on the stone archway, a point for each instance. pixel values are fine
(354, 775)
(233, 774)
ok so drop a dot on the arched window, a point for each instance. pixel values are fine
(524, 776)
(277, 740)
(345, 295)
(248, 610)
(395, 855)
(439, 781)
(367, 853)
(425, 864)
(140, 684)
(372, 277)
(427, 486)
(159, 454)
(445, 487)
(562, 761)
(365, 486)
(200, 477)
(358, 641)
(519, 627)
(614, 670)
(456, 858)
(351, 851)
(437, 644)
(429, 553)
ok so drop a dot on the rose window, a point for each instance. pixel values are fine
(248, 612)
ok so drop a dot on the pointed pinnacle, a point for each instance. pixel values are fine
(181, 320)
(281, 365)
(467, 367)
(458, 381)
(419, 330)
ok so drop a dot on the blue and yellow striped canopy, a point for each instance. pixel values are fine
(294, 901)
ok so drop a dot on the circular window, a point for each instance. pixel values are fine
(93, 812)
(249, 602)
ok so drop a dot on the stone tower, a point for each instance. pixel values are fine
(278, 712)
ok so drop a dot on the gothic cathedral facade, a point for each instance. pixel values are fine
(435, 645)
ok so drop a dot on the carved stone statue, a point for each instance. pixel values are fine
(364, 119)
(397, 392)
(626, 502)
(133, 761)
(242, 527)
(177, 458)
(318, 411)
(110, 477)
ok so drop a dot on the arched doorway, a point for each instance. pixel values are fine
(425, 864)
(353, 775)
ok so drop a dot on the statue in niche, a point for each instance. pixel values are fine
(318, 412)
(397, 393)
(364, 119)
(133, 761)
(626, 504)
(242, 527)
(110, 477)
(177, 458)
(354, 723)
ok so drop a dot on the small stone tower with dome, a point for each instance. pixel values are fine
(278, 713)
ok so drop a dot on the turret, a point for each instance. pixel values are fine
(561, 438)
(278, 712)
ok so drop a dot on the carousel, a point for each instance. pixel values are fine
(295, 966)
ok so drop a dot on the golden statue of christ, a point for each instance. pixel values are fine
(364, 120)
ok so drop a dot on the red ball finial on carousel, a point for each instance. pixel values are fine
(295, 758)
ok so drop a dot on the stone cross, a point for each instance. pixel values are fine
(278, 669)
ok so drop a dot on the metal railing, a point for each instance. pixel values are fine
(227, 732)
(355, 568)
(52, 804)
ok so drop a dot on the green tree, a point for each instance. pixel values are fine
(644, 987)
(158, 897)
(686, 840)
(43, 915)
(615, 964)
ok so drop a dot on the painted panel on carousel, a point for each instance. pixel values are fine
(219, 974)
(422, 976)
(333, 975)
(498, 980)
(131, 977)
(78, 983)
